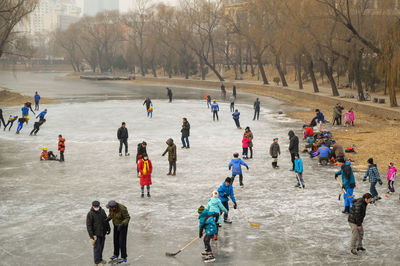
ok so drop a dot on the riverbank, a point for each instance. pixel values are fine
(376, 128)
(8, 98)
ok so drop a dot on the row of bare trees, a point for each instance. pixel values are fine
(312, 39)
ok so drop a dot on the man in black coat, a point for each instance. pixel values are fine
(356, 218)
(122, 135)
(256, 106)
(141, 150)
(293, 146)
(97, 227)
(185, 133)
(169, 93)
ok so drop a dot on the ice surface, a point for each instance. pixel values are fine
(43, 205)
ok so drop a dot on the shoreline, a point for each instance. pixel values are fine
(8, 98)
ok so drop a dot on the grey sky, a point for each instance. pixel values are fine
(125, 5)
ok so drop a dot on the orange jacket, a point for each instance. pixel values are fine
(61, 145)
(44, 156)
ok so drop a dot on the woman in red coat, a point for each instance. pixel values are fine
(145, 169)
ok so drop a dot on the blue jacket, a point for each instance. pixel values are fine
(25, 110)
(222, 190)
(214, 107)
(214, 205)
(298, 165)
(373, 174)
(42, 114)
(320, 117)
(324, 151)
(347, 182)
(37, 98)
(236, 115)
(210, 225)
(236, 163)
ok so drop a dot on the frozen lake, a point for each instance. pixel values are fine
(43, 205)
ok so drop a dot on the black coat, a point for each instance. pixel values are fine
(357, 212)
(294, 142)
(185, 129)
(96, 223)
(140, 151)
(122, 133)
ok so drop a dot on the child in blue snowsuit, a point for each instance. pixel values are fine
(298, 168)
(236, 116)
(225, 191)
(348, 184)
(374, 177)
(235, 164)
(207, 222)
(214, 205)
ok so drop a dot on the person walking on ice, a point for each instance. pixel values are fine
(150, 112)
(185, 133)
(232, 101)
(293, 146)
(236, 166)
(348, 184)
(356, 219)
(148, 103)
(374, 177)
(215, 109)
(61, 147)
(256, 109)
(172, 158)
(207, 222)
(98, 227)
(122, 135)
(391, 177)
(145, 168)
(208, 99)
(250, 136)
(298, 169)
(225, 192)
(236, 116)
(169, 94)
(275, 151)
(37, 100)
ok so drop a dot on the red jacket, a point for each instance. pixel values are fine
(145, 178)
(309, 132)
(246, 142)
(61, 144)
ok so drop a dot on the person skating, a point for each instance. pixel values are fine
(391, 177)
(169, 94)
(37, 100)
(21, 122)
(293, 146)
(234, 91)
(2, 119)
(374, 177)
(215, 205)
(148, 103)
(250, 136)
(208, 99)
(120, 218)
(356, 219)
(348, 184)
(150, 112)
(274, 151)
(122, 135)
(141, 150)
(215, 109)
(145, 168)
(232, 101)
(36, 127)
(61, 147)
(98, 227)
(10, 121)
(225, 192)
(298, 169)
(47, 155)
(236, 166)
(25, 111)
(207, 222)
(223, 91)
(172, 158)
(29, 106)
(236, 116)
(256, 106)
(42, 115)
(185, 133)
(320, 119)
(245, 146)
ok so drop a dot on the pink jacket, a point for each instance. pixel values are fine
(352, 116)
(392, 173)
(347, 117)
(245, 142)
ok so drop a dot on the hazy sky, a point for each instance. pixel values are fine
(125, 5)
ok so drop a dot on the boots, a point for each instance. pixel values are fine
(346, 209)
(173, 173)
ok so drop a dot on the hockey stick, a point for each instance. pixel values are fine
(344, 191)
(176, 253)
(252, 224)
(301, 184)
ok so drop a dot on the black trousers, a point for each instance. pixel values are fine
(215, 114)
(256, 114)
(337, 120)
(2, 120)
(35, 130)
(232, 107)
(36, 106)
(61, 156)
(251, 152)
(98, 249)
(120, 241)
(172, 166)
(9, 122)
(207, 245)
(125, 142)
(292, 157)
(226, 205)
(240, 179)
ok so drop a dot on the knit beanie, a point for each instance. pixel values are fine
(201, 209)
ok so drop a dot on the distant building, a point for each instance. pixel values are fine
(92, 7)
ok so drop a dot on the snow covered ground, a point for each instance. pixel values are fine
(43, 205)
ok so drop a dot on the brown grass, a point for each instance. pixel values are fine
(8, 98)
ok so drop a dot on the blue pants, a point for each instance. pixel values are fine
(185, 141)
(208, 104)
(150, 114)
(20, 125)
(372, 189)
(348, 202)
(237, 122)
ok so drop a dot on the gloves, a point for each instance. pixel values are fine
(336, 176)
(247, 167)
(120, 227)
(200, 233)
(235, 205)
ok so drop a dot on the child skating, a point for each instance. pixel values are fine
(214, 205)
(374, 177)
(275, 151)
(207, 223)
(245, 146)
(298, 169)
(391, 177)
(236, 165)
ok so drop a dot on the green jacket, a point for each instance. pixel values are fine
(171, 149)
(250, 136)
(337, 112)
(120, 216)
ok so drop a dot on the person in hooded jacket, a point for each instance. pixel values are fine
(172, 158)
(236, 166)
(250, 136)
(275, 151)
(214, 205)
(185, 133)
(98, 227)
(298, 168)
(207, 222)
(391, 177)
(374, 177)
(225, 192)
(141, 149)
(215, 109)
(293, 146)
(235, 117)
(348, 184)
(145, 168)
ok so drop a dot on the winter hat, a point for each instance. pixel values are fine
(296, 154)
(275, 138)
(370, 161)
(236, 155)
(391, 164)
(316, 110)
(111, 204)
(200, 209)
(215, 194)
(305, 125)
(95, 203)
(144, 143)
(228, 179)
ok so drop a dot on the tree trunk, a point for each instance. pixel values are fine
(310, 66)
(357, 76)
(300, 80)
(153, 69)
(240, 61)
(251, 63)
(392, 95)
(262, 71)
(329, 74)
(280, 70)
(202, 70)
(214, 70)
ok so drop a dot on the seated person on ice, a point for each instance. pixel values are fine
(45, 155)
